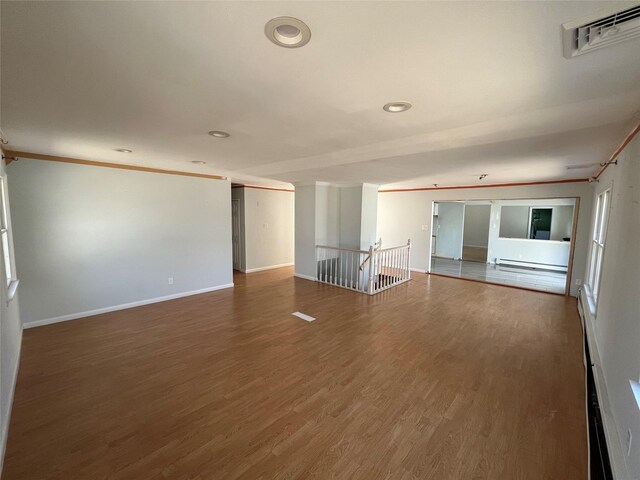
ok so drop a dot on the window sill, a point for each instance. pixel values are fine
(12, 290)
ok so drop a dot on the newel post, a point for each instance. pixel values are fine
(409, 258)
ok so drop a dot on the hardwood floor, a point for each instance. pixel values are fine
(436, 379)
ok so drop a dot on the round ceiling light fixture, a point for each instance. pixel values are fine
(218, 134)
(198, 162)
(287, 32)
(396, 107)
(123, 150)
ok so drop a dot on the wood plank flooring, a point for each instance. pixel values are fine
(436, 379)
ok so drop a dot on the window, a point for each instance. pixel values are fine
(5, 239)
(601, 220)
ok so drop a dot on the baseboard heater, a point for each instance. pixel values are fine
(539, 266)
(599, 457)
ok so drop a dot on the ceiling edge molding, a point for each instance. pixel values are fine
(493, 185)
(614, 156)
(52, 158)
(264, 188)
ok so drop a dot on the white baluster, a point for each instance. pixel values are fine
(353, 259)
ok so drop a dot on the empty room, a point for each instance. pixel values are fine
(320, 239)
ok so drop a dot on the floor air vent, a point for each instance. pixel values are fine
(602, 29)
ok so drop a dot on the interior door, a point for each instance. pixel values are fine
(235, 232)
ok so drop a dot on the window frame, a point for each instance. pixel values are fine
(11, 283)
(530, 225)
(597, 250)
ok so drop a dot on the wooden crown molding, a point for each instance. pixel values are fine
(11, 155)
(614, 155)
(264, 188)
(489, 185)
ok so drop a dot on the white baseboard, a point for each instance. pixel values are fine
(5, 421)
(418, 270)
(124, 306)
(306, 277)
(270, 267)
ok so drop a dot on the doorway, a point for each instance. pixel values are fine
(475, 239)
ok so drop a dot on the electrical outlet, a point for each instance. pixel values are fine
(170, 280)
(578, 281)
(629, 440)
(265, 225)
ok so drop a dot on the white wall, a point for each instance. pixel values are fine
(90, 238)
(561, 222)
(305, 231)
(449, 226)
(403, 215)
(369, 216)
(10, 340)
(327, 215)
(514, 222)
(476, 225)
(349, 216)
(617, 325)
(269, 228)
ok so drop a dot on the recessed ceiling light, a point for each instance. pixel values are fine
(123, 150)
(396, 107)
(198, 162)
(287, 32)
(218, 134)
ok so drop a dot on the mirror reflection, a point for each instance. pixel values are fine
(525, 243)
(553, 222)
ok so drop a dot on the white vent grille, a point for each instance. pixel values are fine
(605, 29)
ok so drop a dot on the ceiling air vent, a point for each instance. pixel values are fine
(605, 28)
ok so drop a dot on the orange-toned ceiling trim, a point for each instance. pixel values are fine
(615, 154)
(5, 155)
(493, 185)
(264, 188)
(12, 155)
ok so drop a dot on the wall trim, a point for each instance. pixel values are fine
(14, 155)
(418, 270)
(270, 267)
(264, 188)
(6, 421)
(306, 277)
(492, 185)
(123, 306)
(614, 155)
